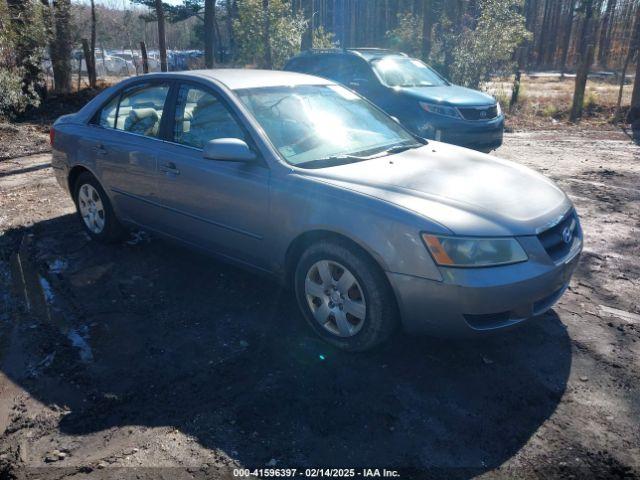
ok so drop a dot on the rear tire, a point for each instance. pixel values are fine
(344, 296)
(95, 211)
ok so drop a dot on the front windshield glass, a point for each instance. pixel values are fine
(406, 72)
(322, 125)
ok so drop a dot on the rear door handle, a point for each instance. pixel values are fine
(100, 150)
(170, 167)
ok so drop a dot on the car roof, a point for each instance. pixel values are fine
(367, 54)
(238, 79)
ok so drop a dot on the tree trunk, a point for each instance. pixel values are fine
(61, 46)
(587, 50)
(633, 47)
(307, 36)
(428, 20)
(145, 58)
(229, 21)
(603, 44)
(209, 40)
(268, 63)
(635, 96)
(581, 83)
(92, 48)
(162, 41)
(567, 37)
(89, 61)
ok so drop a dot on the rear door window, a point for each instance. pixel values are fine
(137, 110)
(140, 110)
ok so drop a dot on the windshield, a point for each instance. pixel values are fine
(323, 125)
(406, 72)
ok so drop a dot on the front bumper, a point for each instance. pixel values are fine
(471, 301)
(478, 135)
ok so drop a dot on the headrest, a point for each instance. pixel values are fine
(143, 113)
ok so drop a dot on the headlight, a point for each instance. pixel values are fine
(499, 108)
(473, 252)
(440, 110)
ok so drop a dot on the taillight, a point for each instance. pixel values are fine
(52, 136)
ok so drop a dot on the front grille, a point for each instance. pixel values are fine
(479, 113)
(552, 239)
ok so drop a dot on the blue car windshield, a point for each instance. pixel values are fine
(324, 125)
(406, 72)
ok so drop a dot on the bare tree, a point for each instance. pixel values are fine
(209, 32)
(428, 20)
(231, 14)
(268, 63)
(605, 32)
(61, 46)
(162, 40)
(587, 50)
(307, 36)
(634, 46)
(568, 27)
(91, 70)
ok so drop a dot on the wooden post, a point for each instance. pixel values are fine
(79, 73)
(145, 59)
(581, 83)
(515, 93)
(89, 60)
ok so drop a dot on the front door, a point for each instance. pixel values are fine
(220, 206)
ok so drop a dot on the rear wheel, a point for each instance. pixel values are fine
(95, 211)
(344, 296)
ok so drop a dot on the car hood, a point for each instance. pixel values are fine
(463, 191)
(450, 95)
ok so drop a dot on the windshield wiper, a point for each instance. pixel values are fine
(332, 161)
(345, 159)
(399, 148)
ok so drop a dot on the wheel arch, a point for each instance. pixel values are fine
(304, 240)
(74, 173)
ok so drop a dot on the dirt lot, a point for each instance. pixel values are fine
(144, 360)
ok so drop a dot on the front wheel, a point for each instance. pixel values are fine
(344, 296)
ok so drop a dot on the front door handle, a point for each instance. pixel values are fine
(170, 167)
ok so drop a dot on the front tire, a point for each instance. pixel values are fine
(95, 210)
(344, 296)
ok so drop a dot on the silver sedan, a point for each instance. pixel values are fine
(302, 179)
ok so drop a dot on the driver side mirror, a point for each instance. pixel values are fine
(229, 150)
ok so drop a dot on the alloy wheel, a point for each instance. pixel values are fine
(335, 298)
(91, 208)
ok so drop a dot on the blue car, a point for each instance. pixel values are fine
(412, 92)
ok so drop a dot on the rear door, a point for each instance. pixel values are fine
(220, 206)
(125, 143)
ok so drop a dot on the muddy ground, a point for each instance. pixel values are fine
(146, 360)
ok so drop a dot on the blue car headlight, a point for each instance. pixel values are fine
(474, 252)
(443, 110)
